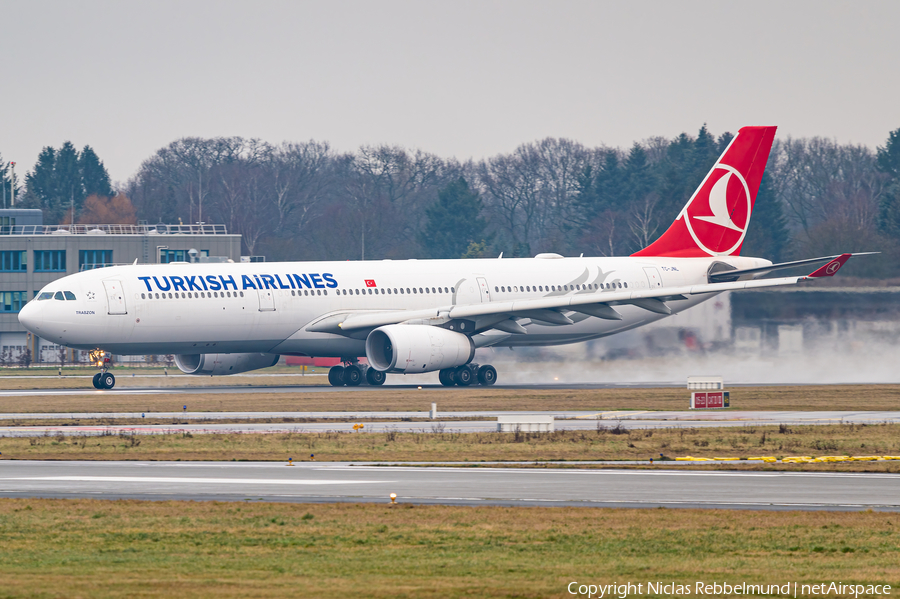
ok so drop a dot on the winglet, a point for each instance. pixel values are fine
(831, 268)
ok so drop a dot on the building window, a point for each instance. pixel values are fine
(13, 261)
(12, 301)
(90, 259)
(50, 261)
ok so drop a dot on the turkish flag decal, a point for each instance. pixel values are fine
(371, 283)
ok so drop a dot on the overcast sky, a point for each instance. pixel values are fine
(463, 79)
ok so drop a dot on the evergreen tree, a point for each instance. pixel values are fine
(94, 178)
(454, 222)
(61, 179)
(41, 189)
(887, 161)
(637, 175)
(599, 189)
(767, 233)
(68, 178)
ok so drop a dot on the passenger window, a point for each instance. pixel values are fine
(242, 294)
(59, 296)
(626, 285)
(69, 295)
(143, 296)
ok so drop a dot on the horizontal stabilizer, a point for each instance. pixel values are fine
(830, 269)
(725, 276)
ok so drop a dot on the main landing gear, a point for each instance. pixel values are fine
(468, 374)
(354, 375)
(103, 379)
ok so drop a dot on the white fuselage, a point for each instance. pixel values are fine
(267, 307)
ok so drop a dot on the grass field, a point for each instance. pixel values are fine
(89, 548)
(793, 398)
(435, 444)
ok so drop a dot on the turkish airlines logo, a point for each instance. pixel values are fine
(832, 268)
(718, 214)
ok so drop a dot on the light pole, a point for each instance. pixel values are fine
(12, 184)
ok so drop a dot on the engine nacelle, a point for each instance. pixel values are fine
(412, 348)
(221, 364)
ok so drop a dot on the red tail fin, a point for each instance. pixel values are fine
(715, 219)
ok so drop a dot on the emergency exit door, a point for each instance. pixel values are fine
(653, 277)
(484, 289)
(266, 300)
(115, 297)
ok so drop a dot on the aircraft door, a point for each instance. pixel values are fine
(484, 289)
(653, 277)
(115, 297)
(266, 300)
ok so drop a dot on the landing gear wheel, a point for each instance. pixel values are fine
(446, 377)
(352, 376)
(464, 376)
(107, 381)
(375, 377)
(336, 376)
(487, 375)
(96, 380)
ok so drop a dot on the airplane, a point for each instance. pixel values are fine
(416, 316)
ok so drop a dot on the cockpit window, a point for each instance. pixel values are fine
(45, 295)
(59, 296)
(69, 295)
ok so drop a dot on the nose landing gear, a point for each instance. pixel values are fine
(103, 379)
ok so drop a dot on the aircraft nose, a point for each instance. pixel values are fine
(31, 317)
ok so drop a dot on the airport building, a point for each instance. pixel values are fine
(33, 254)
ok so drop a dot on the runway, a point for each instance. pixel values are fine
(282, 389)
(312, 482)
(419, 422)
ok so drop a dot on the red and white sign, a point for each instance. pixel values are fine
(371, 283)
(702, 400)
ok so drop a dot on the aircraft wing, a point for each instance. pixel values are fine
(549, 310)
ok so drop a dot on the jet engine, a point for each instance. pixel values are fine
(220, 364)
(412, 348)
